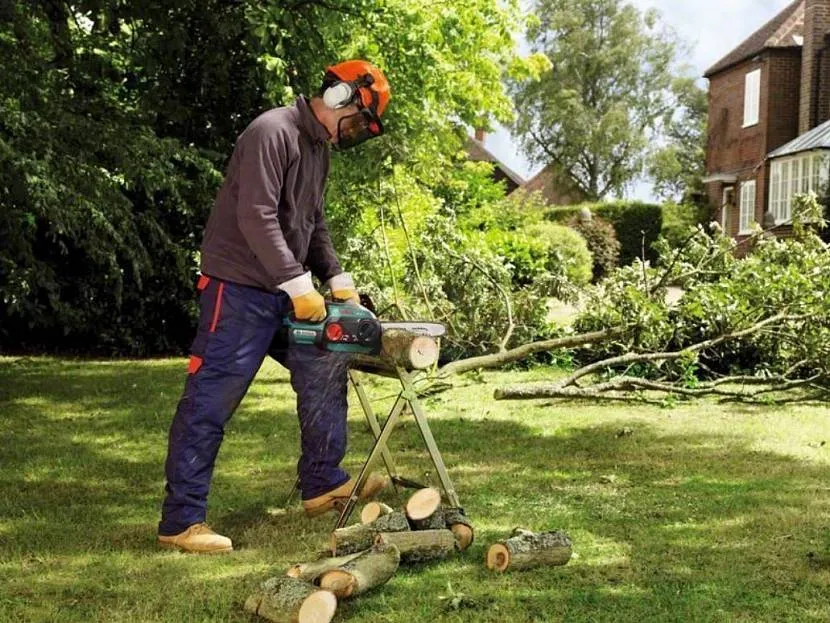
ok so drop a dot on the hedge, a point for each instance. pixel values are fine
(632, 221)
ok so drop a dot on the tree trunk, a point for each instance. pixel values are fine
(359, 537)
(420, 546)
(373, 510)
(364, 572)
(526, 550)
(290, 600)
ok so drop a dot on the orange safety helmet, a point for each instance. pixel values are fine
(373, 91)
(356, 82)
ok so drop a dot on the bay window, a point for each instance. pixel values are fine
(790, 176)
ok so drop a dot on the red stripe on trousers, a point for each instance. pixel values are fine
(218, 307)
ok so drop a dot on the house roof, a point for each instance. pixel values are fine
(785, 30)
(478, 153)
(817, 138)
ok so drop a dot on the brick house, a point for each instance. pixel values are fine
(556, 188)
(477, 152)
(769, 119)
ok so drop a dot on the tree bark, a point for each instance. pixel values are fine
(526, 550)
(359, 537)
(363, 572)
(290, 600)
(421, 546)
(310, 571)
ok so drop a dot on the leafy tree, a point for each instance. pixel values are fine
(678, 168)
(116, 119)
(594, 112)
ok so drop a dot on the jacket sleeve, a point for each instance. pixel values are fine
(263, 159)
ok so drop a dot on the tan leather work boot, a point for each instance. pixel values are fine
(339, 496)
(197, 539)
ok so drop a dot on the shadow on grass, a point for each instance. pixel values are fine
(680, 527)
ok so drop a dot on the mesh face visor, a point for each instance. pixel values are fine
(358, 128)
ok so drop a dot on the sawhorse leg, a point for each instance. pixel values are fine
(374, 426)
(377, 449)
(409, 396)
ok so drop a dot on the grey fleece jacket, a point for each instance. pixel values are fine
(267, 226)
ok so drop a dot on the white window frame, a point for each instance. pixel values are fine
(747, 211)
(791, 175)
(752, 98)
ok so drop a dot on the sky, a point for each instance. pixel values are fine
(712, 28)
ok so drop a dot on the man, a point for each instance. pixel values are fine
(265, 238)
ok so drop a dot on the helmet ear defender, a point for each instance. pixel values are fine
(340, 93)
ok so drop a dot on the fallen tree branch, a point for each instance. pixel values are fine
(672, 355)
(496, 360)
(569, 388)
(605, 390)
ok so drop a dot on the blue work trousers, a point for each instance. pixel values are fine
(238, 326)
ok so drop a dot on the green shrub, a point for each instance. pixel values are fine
(678, 219)
(602, 243)
(637, 224)
(525, 257)
(568, 254)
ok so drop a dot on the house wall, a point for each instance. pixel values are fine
(733, 149)
(814, 102)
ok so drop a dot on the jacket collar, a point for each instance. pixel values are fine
(315, 130)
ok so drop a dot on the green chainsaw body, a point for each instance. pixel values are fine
(348, 328)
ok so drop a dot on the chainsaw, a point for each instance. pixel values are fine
(351, 328)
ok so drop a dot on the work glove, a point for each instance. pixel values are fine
(308, 304)
(343, 289)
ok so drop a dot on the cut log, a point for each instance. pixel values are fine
(359, 537)
(310, 571)
(400, 348)
(366, 571)
(526, 550)
(409, 350)
(420, 546)
(290, 600)
(373, 510)
(423, 504)
(457, 522)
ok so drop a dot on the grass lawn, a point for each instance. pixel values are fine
(703, 513)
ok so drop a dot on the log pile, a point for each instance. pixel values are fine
(367, 555)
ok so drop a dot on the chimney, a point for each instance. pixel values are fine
(481, 135)
(813, 60)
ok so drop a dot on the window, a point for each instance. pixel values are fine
(726, 207)
(797, 174)
(752, 98)
(747, 207)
